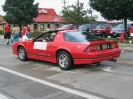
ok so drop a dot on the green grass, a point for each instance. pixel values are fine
(117, 39)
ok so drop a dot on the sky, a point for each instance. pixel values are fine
(57, 5)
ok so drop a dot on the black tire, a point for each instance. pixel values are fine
(66, 63)
(22, 54)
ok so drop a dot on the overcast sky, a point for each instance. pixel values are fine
(57, 5)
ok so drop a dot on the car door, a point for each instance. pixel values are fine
(108, 29)
(37, 47)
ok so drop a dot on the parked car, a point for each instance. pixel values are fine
(68, 48)
(87, 27)
(118, 29)
(67, 27)
(102, 30)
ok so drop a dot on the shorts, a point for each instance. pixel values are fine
(7, 35)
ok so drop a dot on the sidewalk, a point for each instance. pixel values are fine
(125, 47)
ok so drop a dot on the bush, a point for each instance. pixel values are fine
(35, 34)
(1, 32)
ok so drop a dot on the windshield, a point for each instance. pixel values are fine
(83, 26)
(120, 26)
(101, 27)
(80, 37)
(65, 26)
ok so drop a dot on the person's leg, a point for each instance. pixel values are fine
(14, 38)
(132, 38)
(17, 37)
(29, 35)
(6, 36)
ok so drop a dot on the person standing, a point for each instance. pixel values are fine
(7, 33)
(28, 32)
(131, 32)
(24, 31)
(122, 37)
(15, 33)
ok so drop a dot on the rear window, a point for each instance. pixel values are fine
(80, 37)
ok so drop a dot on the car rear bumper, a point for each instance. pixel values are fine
(98, 57)
(95, 60)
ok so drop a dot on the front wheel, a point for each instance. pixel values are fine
(22, 54)
(64, 60)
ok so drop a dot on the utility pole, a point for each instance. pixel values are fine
(78, 14)
(64, 1)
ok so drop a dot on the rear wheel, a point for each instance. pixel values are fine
(22, 54)
(64, 60)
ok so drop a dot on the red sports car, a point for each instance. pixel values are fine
(67, 48)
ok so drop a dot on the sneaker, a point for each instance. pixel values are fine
(7, 42)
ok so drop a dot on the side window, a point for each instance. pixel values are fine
(42, 37)
(35, 26)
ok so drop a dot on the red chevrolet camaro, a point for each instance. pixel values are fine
(68, 47)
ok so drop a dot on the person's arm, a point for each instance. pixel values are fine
(13, 31)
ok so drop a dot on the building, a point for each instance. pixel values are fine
(47, 17)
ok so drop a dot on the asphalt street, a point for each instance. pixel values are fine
(42, 80)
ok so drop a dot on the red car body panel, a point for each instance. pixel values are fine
(75, 49)
(105, 30)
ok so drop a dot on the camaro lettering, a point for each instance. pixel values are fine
(40, 45)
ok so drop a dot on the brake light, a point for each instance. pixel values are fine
(92, 49)
(115, 45)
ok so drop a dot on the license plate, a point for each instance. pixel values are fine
(104, 47)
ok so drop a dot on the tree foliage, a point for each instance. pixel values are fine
(114, 9)
(20, 12)
(75, 14)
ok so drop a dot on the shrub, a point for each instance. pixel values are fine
(1, 32)
(35, 34)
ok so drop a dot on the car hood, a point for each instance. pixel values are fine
(117, 29)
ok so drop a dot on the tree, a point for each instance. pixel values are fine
(114, 9)
(75, 14)
(20, 12)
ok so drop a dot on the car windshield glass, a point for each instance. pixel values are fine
(120, 26)
(65, 26)
(101, 27)
(83, 26)
(80, 37)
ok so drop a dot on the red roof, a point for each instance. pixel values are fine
(47, 15)
(3, 22)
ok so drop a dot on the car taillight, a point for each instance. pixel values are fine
(114, 45)
(92, 48)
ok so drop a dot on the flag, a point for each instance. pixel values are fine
(57, 18)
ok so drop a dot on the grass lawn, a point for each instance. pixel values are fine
(117, 39)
